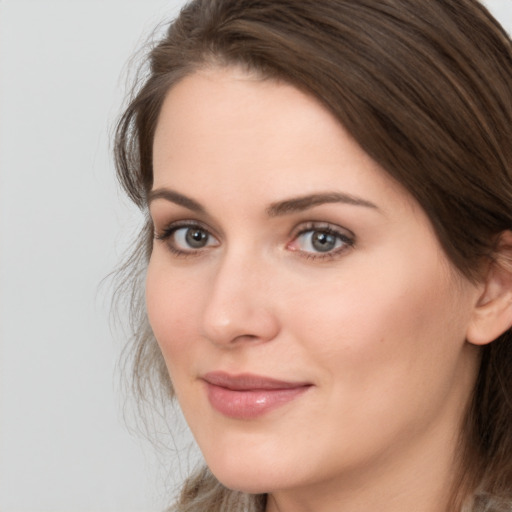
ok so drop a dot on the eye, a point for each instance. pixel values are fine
(191, 238)
(321, 241)
(187, 239)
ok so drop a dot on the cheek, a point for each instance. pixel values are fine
(171, 301)
(386, 349)
(385, 332)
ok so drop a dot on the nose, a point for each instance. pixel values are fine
(240, 306)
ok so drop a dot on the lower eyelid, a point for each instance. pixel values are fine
(328, 255)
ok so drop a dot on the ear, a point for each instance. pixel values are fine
(492, 315)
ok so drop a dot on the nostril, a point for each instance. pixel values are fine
(245, 337)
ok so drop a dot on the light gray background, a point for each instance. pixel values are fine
(63, 227)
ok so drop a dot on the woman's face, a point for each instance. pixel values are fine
(312, 326)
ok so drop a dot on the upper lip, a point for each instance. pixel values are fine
(248, 381)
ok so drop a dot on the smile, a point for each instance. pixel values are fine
(247, 396)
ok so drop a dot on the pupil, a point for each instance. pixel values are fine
(323, 242)
(196, 238)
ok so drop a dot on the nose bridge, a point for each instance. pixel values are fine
(239, 306)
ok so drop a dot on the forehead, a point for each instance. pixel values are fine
(222, 130)
(227, 104)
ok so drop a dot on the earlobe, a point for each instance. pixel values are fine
(492, 315)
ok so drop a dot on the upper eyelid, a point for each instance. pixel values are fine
(184, 223)
(306, 226)
(161, 215)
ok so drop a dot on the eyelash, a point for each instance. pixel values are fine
(347, 240)
(169, 231)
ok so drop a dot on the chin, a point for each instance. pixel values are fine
(244, 477)
(247, 476)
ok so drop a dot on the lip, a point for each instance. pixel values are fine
(247, 396)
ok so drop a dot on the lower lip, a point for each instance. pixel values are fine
(249, 404)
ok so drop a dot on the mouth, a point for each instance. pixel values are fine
(247, 396)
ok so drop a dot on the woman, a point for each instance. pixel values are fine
(329, 251)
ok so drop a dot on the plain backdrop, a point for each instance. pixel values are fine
(63, 227)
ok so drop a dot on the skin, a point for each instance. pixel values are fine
(377, 326)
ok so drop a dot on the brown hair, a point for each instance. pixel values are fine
(425, 88)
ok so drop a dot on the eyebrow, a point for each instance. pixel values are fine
(176, 198)
(296, 204)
